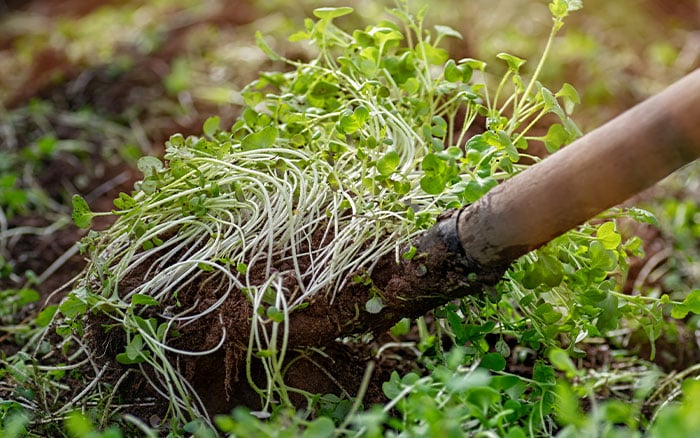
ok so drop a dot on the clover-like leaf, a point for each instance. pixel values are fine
(211, 126)
(149, 166)
(82, 216)
(570, 97)
(514, 63)
(145, 300)
(443, 30)
(329, 13)
(261, 139)
(493, 362)
(607, 235)
(388, 163)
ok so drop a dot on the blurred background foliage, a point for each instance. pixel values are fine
(614, 53)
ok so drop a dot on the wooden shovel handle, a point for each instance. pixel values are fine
(596, 172)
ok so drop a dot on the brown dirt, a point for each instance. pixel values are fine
(220, 378)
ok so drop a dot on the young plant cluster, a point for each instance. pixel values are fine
(332, 165)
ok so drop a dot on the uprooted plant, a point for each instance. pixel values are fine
(331, 172)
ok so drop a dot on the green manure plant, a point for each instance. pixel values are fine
(341, 161)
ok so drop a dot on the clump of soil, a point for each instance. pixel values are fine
(221, 379)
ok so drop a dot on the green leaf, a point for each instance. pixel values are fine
(543, 374)
(559, 8)
(601, 257)
(211, 126)
(551, 104)
(262, 44)
(452, 72)
(506, 143)
(275, 314)
(433, 164)
(198, 428)
(149, 166)
(439, 128)
(443, 30)
(493, 362)
(14, 422)
(361, 113)
(433, 55)
(608, 319)
(642, 215)
(388, 163)
(383, 35)
(476, 187)
(552, 270)
(472, 63)
(433, 184)
(134, 348)
(124, 202)
(514, 63)
(72, 306)
(570, 97)
(392, 388)
(547, 313)
(124, 359)
(64, 330)
(46, 315)
(691, 303)
(260, 140)
(180, 76)
(321, 427)
(556, 137)
(568, 409)
(149, 325)
(329, 13)
(607, 235)
(408, 255)
(352, 122)
(298, 36)
(561, 360)
(401, 328)
(482, 397)
(324, 89)
(410, 86)
(206, 267)
(82, 216)
(145, 300)
(78, 425)
(26, 296)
